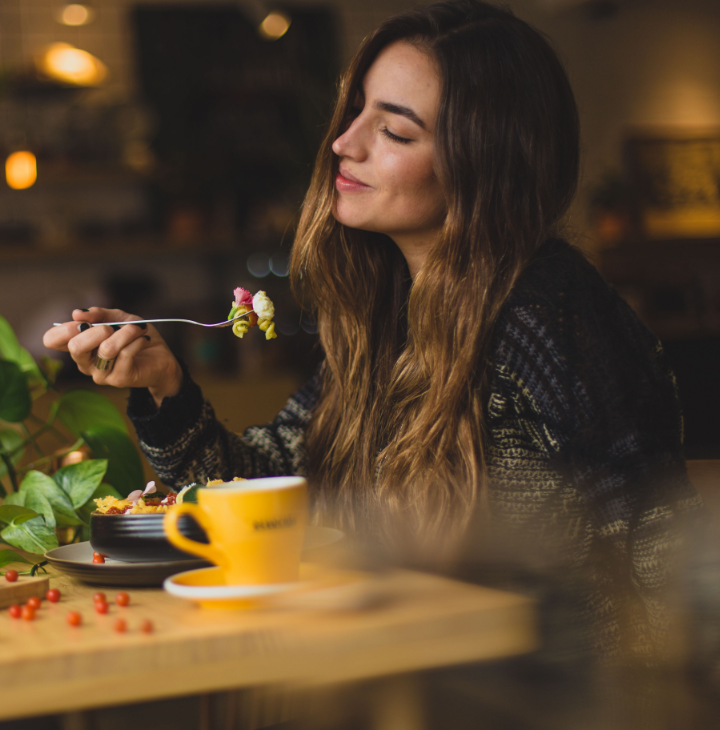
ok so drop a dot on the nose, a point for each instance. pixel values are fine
(351, 142)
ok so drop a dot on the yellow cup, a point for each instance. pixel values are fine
(255, 528)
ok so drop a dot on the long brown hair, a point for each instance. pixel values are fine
(397, 437)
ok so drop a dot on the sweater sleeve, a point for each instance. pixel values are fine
(597, 387)
(184, 441)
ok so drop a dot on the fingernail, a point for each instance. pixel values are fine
(147, 337)
(115, 327)
(142, 326)
(80, 310)
(82, 327)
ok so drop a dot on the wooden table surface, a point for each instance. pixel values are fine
(422, 621)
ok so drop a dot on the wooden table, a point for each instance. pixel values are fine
(425, 621)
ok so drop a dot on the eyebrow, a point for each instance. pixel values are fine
(403, 111)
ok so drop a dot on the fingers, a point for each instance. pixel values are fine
(57, 338)
(119, 338)
(100, 314)
(105, 342)
(123, 373)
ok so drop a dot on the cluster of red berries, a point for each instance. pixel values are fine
(32, 605)
(74, 618)
(99, 557)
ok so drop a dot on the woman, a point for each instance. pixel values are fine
(478, 372)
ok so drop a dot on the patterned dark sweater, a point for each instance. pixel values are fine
(584, 443)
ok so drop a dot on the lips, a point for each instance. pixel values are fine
(346, 174)
(346, 182)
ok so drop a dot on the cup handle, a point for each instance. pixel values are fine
(170, 525)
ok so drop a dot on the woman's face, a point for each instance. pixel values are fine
(386, 181)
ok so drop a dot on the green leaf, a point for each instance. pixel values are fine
(8, 557)
(12, 350)
(104, 490)
(15, 498)
(15, 401)
(33, 536)
(61, 505)
(10, 440)
(125, 471)
(81, 410)
(14, 512)
(79, 481)
(36, 500)
(191, 494)
(50, 367)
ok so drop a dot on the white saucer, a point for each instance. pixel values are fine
(205, 587)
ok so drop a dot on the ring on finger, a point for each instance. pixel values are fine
(104, 365)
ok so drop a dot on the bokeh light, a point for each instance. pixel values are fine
(76, 14)
(21, 170)
(63, 62)
(258, 264)
(309, 324)
(274, 26)
(280, 264)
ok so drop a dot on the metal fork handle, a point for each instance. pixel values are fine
(224, 323)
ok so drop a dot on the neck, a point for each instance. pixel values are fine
(415, 249)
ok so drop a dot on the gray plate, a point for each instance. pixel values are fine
(76, 561)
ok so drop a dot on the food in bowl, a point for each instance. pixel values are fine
(131, 530)
(140, 502)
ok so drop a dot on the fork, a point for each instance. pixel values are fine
(224, 323)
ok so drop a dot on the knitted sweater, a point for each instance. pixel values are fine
(584, 442)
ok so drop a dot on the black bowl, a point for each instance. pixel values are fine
(140, 538)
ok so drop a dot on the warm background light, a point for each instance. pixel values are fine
(68, 64)
(21, 170)
(75, 14)
(274, 26)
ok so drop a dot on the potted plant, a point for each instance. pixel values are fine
(42, 495)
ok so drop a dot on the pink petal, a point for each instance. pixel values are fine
(134, 496)
(242, 296)
(150, 488)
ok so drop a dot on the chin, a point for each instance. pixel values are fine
(357, 222)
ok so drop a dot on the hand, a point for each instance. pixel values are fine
(143, 359)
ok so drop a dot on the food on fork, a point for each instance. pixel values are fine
(260, 311)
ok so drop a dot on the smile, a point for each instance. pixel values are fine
(349, 184)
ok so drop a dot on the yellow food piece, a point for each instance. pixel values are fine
(215, 482)
(141, 508)
(104, 504)
(242, 326)
(268, 327)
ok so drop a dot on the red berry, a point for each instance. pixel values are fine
(100, 555)
(11, 575)
(120, 626)
(147, 626)
(74, 618)
(101, 606)
(53, 595)
(34, 602)
(97, 558)
(99, 596)
(27, 612)
(122, 599)
(15, 611)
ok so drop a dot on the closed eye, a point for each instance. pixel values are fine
(394, 137)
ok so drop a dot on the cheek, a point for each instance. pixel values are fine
(415, 181)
